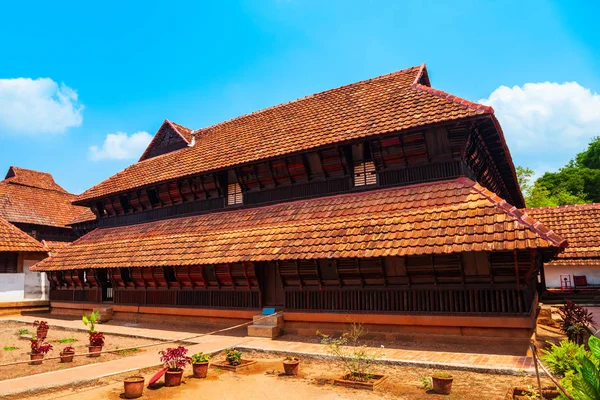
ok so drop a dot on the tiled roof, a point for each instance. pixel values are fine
(53, 245)
(33, 197)
(389, 103)
(29, 177)
(14, 239)
(443, 217)
(580, 225)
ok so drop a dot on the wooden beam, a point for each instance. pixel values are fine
(516, 260)
(260, 185)
(270, 165)
(435, 281)
(337, 271)
(532, 266)
(246, 275)
(322, 165)
(287, 170)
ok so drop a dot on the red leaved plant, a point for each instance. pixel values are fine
(175, 359)
(96, 339)
(39, 347)
(42, 325)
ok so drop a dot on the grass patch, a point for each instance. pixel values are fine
(126, 352)
(67, 340)
(10, 348)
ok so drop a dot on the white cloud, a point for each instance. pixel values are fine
(34, 106)
(121, 146)
(547, 123)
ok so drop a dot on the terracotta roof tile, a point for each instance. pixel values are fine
(33, 197)
(442, 217)
(580, 225)
(14, 239)
(380, 105)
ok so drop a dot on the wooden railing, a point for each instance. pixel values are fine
(442, 301)
(79, 295)
(189, 298)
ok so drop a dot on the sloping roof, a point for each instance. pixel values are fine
(28, 196)
(443, 217)
(389, 103)
(182, 131)
(14, 239)
(31, 178)
(580, 225)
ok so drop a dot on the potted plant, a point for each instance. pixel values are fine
(38, 350)
(291, 365)
(96, 343)
(67, 354)
(42, 329)
(233, 361)
(441, 382)
(96, 338)
(200, 364)
(233, 357)
(133, 387)
(355, 357)
(175, 360)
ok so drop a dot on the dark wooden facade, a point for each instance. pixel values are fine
(428, 155)
(467, 283)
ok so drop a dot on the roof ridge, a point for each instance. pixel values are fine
(521, 217)
(455, 99)
(564, 206)
(377, 78)
(12, 182)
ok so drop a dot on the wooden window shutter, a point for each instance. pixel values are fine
(365, 174)
(234, 194)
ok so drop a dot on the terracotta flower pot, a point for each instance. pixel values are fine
(36, 358)
(200, 369)
(442, 385)
(66, 357)
(133, 387)
(94, 349)
(41, 333)
(173, 378)
(291, 367)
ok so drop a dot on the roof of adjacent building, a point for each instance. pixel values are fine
(442, 217)
(28, 196)
(389, 103)
(14, 239)
(580, 225)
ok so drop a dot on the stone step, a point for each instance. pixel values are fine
(264, 331)
(23, 310)
(268, 320)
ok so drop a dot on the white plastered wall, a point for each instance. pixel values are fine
(553, 273)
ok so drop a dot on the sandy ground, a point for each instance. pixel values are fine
(264, 381)
(9, 338)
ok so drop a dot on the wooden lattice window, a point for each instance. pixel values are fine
(234, 194)
(8, 263)
(365, 174)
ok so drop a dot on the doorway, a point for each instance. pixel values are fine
(272, 288)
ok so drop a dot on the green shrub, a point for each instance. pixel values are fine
(564, 357)
(200, 358)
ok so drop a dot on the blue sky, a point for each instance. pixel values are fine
(126, 66)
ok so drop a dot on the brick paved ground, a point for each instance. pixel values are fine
(216, 343)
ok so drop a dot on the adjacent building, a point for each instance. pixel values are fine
(578, 266)
(385, 202)
(35, 214)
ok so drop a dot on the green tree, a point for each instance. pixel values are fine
(577, 182)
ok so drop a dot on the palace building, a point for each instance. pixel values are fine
(385, 202)
(35, 216)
